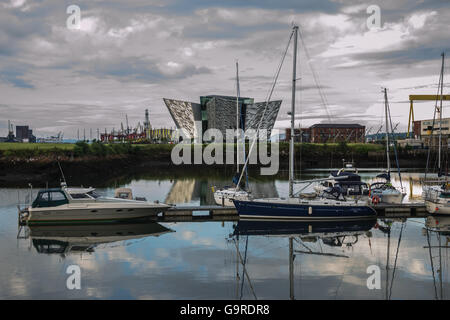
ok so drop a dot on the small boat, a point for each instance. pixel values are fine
(347, 179)
(437, 199)
(224, 196)
(83, 205)
(385, 192)
(294, 207)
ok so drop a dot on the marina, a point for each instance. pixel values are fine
(221, 156)
(194, 242)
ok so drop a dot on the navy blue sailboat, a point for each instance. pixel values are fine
(296, 208)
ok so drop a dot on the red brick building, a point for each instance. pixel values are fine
(306, 133)
(333, 132)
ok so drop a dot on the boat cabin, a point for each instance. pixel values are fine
(50, 198)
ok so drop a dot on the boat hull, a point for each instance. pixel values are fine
(437, 207)
(310, 212)
(89, 214)
(225, 197)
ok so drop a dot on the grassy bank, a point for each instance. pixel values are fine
(82, 149)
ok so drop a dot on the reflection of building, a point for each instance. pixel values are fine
(188, 190)
(219, 112)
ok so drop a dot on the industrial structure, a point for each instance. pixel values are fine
(139, 134)
(428, 133)
(329, 133)
(23, 134)
(220, 112)
(422, 97)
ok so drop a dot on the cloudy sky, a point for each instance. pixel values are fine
(128, 55)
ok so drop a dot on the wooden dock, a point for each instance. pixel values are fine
(405, 210)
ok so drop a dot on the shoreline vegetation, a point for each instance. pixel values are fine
(97, 163)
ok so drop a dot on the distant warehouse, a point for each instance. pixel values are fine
(329, 133)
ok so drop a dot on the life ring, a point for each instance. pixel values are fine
(375, 200)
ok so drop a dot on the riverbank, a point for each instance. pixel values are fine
(98, 164)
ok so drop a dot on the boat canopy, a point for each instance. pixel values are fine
(50, 198)
(350, 175)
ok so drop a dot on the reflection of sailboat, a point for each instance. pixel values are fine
(440, 227)
(331, 233)
(84, 238)
(385, 226)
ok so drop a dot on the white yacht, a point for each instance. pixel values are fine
(84, 205)
(224, 196)
(437, 199)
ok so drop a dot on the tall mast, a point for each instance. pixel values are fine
(440, 115)
(387, 132)
(237, 116)
(291, 146)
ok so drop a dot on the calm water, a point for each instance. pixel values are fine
(199, 260)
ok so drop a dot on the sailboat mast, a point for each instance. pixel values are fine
(237, 116)
(440, 115)
(387, 132)
(291, 146)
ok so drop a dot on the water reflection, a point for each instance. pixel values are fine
(65, 240)
(200, 260)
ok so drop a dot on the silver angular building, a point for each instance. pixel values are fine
(219, 112)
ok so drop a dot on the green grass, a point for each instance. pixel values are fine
(33, 146)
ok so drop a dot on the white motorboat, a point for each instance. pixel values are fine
(84, 205)
(224, 196)
(437, 199)
(384, 192)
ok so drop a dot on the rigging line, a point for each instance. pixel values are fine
(245, 261)
(434, 118)
(265, 109)
(393, 140)
(395, 261)
(431, 261)
(245, 269)
(319, 88)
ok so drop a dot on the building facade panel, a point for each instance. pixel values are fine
(254, 115)
(185, 114)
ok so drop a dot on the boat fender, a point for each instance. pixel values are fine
(309, 210)
(376, 200)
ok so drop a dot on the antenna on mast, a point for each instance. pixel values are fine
(63, 183)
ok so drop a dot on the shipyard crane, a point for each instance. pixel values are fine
(422, 97)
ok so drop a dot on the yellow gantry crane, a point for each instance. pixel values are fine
(422, 97)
